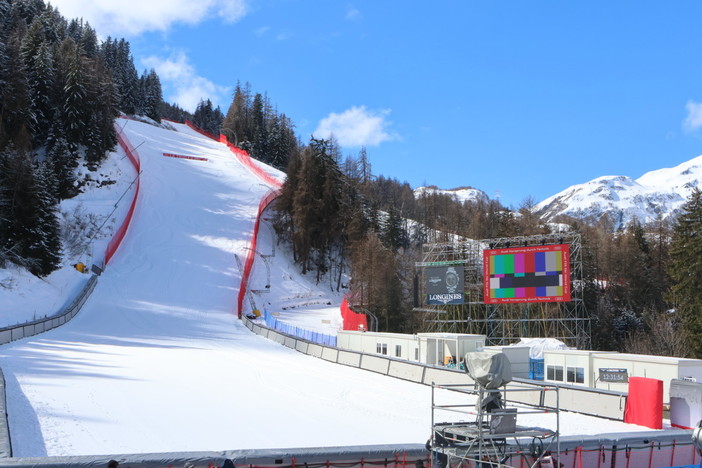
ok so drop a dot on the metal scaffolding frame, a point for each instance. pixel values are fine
(504, 324)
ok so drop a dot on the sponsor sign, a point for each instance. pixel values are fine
(444, 285)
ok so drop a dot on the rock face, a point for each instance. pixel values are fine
(655, 194)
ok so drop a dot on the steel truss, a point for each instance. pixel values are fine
(505, 324)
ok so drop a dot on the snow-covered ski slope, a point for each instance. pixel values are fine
(157, 360)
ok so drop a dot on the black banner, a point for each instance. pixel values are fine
(444, 285)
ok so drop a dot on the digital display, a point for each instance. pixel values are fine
(614, 375)
(526, 274)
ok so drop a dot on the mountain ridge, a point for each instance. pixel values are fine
(658, 194)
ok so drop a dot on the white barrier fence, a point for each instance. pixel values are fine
(592, 402)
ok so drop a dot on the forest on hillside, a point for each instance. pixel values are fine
(642, 284)
(61, 89)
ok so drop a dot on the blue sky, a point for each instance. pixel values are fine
(519, 99)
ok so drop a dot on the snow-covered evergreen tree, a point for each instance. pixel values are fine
(686, 269)
(30, 226)
(152, 95)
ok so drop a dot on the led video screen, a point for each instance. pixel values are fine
(526, 274)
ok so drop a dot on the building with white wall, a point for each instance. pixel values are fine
(428, 348)
(611, 370)
(518, 358)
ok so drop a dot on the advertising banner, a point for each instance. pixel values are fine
(444, 285)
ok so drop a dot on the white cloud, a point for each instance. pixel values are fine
(693, 121)
(357, 126)
(133, 17)
(260, 32)
(352, 14)
(188, 88)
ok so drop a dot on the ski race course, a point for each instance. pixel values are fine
(157, 360)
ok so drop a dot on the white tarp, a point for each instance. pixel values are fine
(537, 346)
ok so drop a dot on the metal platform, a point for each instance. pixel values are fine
(492, 438)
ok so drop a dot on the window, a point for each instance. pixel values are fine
(398, 350)
(554, 373)
(416, 354)
(381, 348)
(575, 375)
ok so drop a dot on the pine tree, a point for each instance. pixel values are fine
(28, 9)
(88, 42)
(62, 162)
(39, 60)
(208, 118)
(235, 125)
(99, 113)
(15, 110)
(54, 25)
(393, 234)
(686, 269)
(46, 245)
(31, 226)
(74, 96)
(152, 95)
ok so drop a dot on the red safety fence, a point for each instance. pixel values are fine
(241, 155)
(353, 320)
(201, 131)
(250, 257)
(246, 160)
(133, 156)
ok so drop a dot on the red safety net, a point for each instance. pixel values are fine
(644, 405)
(133, 156)
(249, 163)
(246, 160)
(352, 320)
(251, 255)
(201, 131)
(241, 155)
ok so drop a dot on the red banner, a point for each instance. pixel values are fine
(180, 156)
(353, 320)
(644, 404)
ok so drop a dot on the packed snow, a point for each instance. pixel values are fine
(157, 360)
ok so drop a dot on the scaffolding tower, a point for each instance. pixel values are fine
(504, 324)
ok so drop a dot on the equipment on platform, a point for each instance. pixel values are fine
(488, 434)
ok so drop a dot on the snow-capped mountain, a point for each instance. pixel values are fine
(460, 194)
(655, 194)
